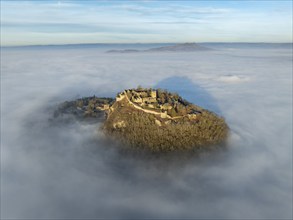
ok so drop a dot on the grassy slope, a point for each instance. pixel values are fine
(141, 130)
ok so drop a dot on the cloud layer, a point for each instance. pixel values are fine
(69, 170)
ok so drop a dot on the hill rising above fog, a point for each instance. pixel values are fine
(156, 120)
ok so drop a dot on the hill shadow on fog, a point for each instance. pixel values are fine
(190, 91)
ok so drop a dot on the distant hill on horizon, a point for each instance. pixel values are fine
(181, 47)
(184, 47)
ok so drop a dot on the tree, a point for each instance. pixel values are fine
(160, 93)
(176, 96)
(173, 113)
(139, 88)
(79, 103)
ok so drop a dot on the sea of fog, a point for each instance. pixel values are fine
(69, 169)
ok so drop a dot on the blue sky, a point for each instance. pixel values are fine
(145, 21)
